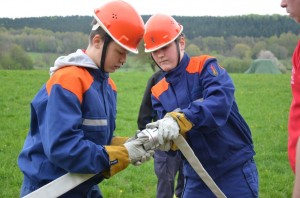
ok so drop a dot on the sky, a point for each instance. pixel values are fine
(40, 8)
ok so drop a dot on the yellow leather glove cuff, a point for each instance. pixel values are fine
(174, 146)
(118, 158)
(118, 141)
(183, 123)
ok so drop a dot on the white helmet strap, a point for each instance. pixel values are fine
(95, 27)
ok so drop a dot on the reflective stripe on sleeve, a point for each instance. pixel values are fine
(94, 122)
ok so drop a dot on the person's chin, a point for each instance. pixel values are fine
(166, 69)
(114, 69)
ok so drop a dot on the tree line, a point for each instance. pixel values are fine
(235, 51)
(244, 25)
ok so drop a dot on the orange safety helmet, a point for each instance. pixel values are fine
(122, 23)
(160, 30)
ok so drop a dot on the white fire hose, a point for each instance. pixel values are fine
(60, 186)
(190, 156)
(69, 181)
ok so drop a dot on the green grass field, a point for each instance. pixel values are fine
(263, 100)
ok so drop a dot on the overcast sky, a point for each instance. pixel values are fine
(36, 8)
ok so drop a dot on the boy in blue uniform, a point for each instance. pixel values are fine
(195, 98)
(73, 115)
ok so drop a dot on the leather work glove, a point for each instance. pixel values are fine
(168, 130)
(131, 151)
(170, 126)
(184, 124)
(149, 153)
(164, 147)
(133, 137)
(170, 145)
(136, 150)
(174, 146)
(118, 141)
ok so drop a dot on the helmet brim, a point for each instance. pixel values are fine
(165, 44)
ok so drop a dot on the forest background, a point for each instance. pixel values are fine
(237, 41)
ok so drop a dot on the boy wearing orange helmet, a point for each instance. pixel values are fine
(293, 9)
(73, 114)
(195, 99)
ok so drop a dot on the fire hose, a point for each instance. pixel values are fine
(69, 181)
(197, 166)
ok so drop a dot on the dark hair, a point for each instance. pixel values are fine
(106, 40)
(180, 36)
(99, 31)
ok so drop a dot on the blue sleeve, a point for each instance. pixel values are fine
(63, 139)
(218, 96)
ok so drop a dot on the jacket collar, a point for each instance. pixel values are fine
(175, 74)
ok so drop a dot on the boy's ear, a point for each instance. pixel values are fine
(182, 43)
(97, 41)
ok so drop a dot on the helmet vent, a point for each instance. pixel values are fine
(114, 16)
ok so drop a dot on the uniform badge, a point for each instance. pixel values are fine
(213, 70)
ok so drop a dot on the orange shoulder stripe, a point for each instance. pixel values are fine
(112, 84)
(196, 63)
(75, 79)
(159, 88)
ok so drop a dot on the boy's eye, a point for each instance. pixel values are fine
(165, 47)
(122, 52)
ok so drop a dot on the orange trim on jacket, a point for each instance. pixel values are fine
(67, 81)
(112, 84)
(159, 88)
(195, 65)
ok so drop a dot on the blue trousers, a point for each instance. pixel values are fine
(239, 182)
(166, 166)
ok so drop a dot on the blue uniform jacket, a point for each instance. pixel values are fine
(204, 92)
(72, 116)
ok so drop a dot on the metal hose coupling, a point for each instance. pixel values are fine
(153, 143)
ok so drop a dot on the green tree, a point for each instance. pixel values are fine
(236, 65)
(19, 58)
(193, 50)
(241, 51)
(258, 46)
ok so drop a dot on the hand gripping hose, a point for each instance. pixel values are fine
(69, 181)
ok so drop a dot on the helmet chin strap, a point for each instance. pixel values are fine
(156, 63)
(178, 51)
(107, 40)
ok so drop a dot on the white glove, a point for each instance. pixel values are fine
(168, 129)
(165, 147)
(149, 154)
(133, 137)
(136, 151)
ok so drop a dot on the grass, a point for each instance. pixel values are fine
(263, 100)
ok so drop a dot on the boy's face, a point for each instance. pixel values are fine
(115, 57)
(167, 57)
